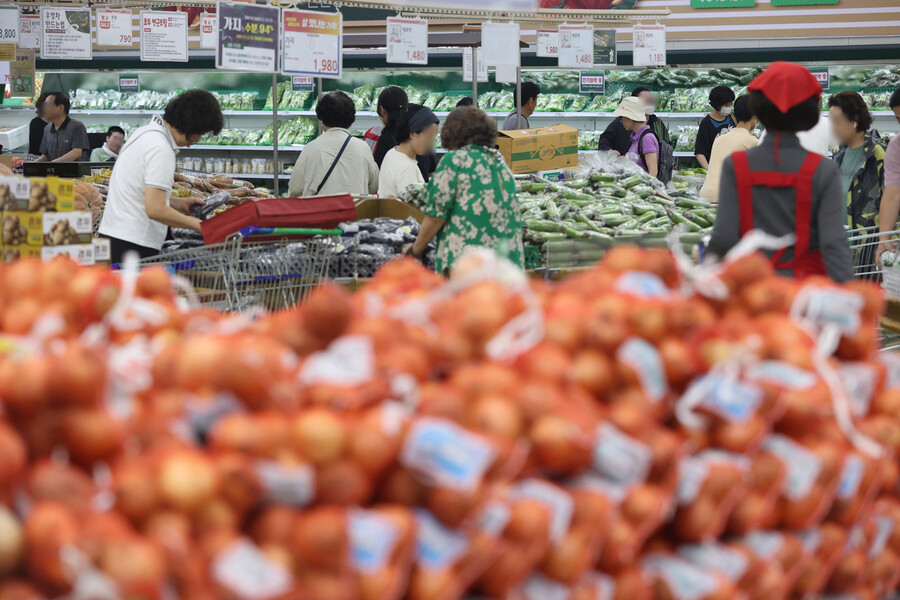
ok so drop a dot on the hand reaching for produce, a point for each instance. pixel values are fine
(184, 204)
(882, 248)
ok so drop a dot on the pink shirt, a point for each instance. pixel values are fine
(892, 162)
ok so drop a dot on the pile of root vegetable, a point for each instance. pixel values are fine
(618, 434)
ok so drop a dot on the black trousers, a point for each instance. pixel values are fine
(118, 248)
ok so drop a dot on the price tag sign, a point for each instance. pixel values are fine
(592, 82)
(482, 70)
(21, 74)
(129, 84)
(66, 33)
(114, 28)
(30, 31)
(164, 36)
(576, 46)
(208, 30)
(9, 25)
(649, 45)
(248, 38)
(407, 41)
(302, 83)
(605, 47)
(823, 76)
(313, 43)
(547, 42)
(500, 43)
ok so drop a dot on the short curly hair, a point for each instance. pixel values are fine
(195, 112)
(468, 125)
(336, 110)
(854, 108)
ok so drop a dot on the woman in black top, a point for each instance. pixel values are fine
(716, 123)
(36, 128)
(392, 102)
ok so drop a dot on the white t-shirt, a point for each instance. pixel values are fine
(147, 160)
(398, 172)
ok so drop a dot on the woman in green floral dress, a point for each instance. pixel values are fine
(471, 198)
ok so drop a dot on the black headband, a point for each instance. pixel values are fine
(422, 119)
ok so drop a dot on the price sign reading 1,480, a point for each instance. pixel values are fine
(584, 59)
(415, 55)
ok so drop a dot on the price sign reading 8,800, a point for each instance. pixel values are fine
(9, 24)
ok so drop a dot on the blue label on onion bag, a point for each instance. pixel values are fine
(446, 453)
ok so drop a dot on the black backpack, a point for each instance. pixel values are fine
(665, 159)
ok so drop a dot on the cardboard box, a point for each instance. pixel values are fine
(14, 252)
(37, 194)
(80, 253)
(23, 227)
(67, 228)
(372, 208)
(541, 149)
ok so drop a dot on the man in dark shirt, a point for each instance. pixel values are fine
(36, 128)
(617, 139)
(65, 139)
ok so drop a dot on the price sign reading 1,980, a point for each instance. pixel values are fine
(9, 25)
(312, 43)
(407, 41)
(576, 46)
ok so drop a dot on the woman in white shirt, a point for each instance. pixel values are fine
(416, 133)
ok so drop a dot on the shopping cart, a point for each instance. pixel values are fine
(863, 245)
(240, 273)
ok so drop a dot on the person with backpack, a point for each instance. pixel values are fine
(618, 140)
(649, 152)
(738, 139)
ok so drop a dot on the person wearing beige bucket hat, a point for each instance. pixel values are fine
(644, 144)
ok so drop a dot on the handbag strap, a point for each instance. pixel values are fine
(333, 164)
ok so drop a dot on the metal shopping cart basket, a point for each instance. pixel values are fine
(240, 273)
(863, 245)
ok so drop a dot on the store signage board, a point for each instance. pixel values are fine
(482, 70)
(129, 84)
(164, 36)
(605, 47)
(802, 2)
(312, 43)
(500, 43)
(248, 38)
(723, 3)
(30, 31)
(823, 76)
(7, 52)
(208, 30)
(576, 46)
(114, 28)
(547, 42)
(649, 46)
(302, 83)
(407, 41)
(66, 33)
(9, 24)
(592, 82)
(480, 4)
(21, 74)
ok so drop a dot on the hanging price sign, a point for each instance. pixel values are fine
(576, 46)
(649, 45)
(482, 70)
(114, 28)
(407, 41)
(164, 36)
(248, 38)
(66, 33)
(547, 42)
(9, 25)
(208, 30)
(30, 31)
(312, 43)
(592, 83)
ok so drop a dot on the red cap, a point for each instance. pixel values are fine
(786, 85)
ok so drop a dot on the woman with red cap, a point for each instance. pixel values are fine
(781, 188)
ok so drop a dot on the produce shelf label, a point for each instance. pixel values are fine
(247, 38)
(129, 84)
(592, 82)
(164, 36)
(9, 24)
(66, 33)
(649, 45)
(576, 46)
(823, 76)
(114, 28)
(312, 43)
(605, 47)
(302, 83)
(407, 41)
(30, 31)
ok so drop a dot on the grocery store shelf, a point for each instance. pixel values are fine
(234, 175)
(248, 148)
(678, 153)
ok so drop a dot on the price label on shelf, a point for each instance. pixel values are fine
(66, 33)
(30, 31)
(823, 76)
(114, 28)
(164, 36)
(482, 70)
(129, 84)
(649, 45)
(247, 38)
(302, 83)
(547, 42)
(592, 82)
(576, 46)
(9, 25)
(312, 43)
(407, 41)
(208, 30)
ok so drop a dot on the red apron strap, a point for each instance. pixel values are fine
(744, 179)
(804, 203)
